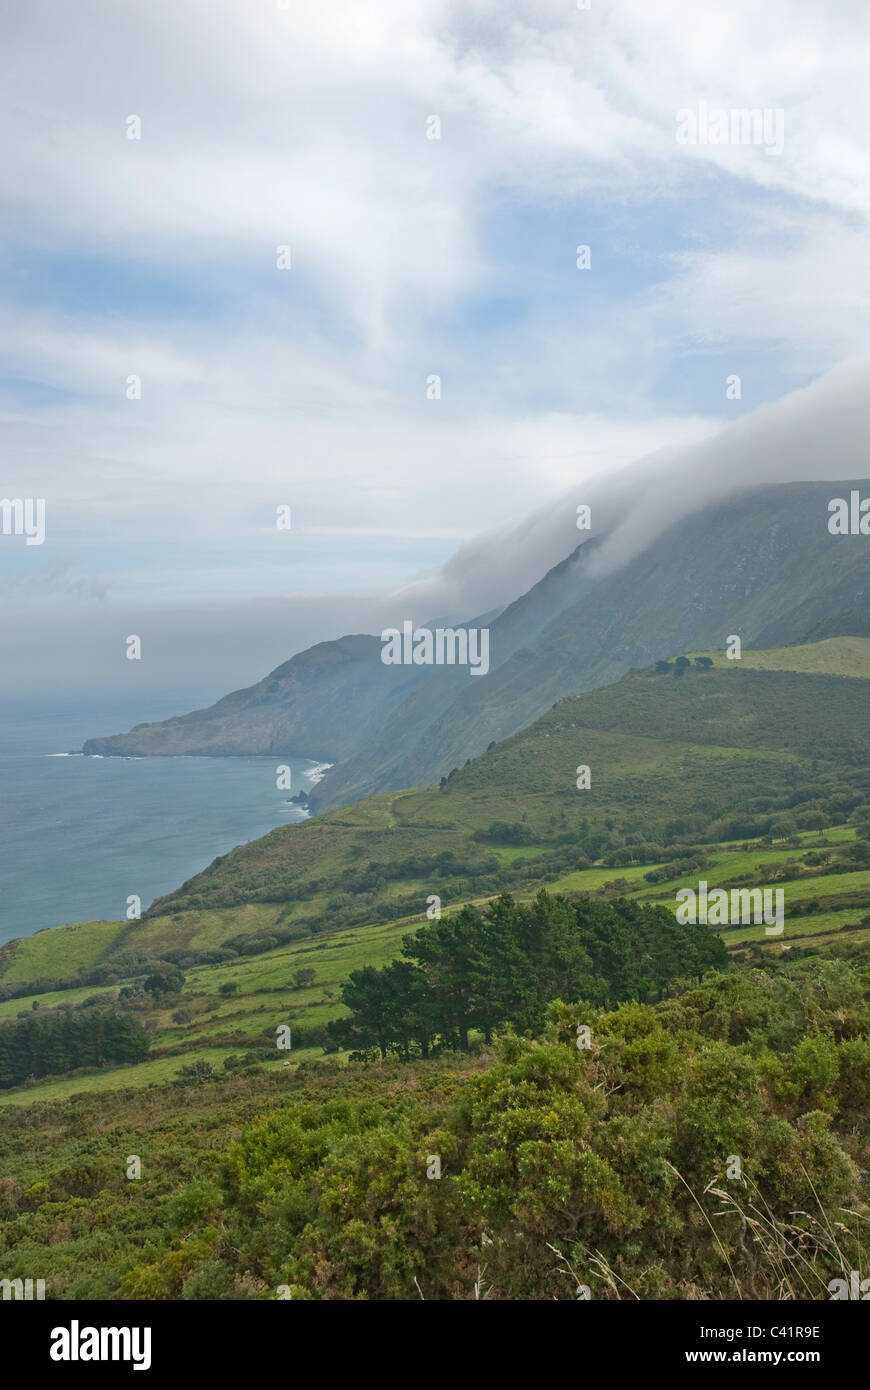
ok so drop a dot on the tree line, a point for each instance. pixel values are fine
(482, 969)
(59, 1042)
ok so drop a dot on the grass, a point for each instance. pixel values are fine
(155, 1072)
(266, 995)
(819, 925)
(11, 1008)
(706, 746)
(835, 656)
(59, 952)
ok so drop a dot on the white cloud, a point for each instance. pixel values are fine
(263, 126)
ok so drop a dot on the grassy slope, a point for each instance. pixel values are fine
(761, 564)
(266, 996)
(58, 951)
(653, 743)
(835, 656)
(714, 734)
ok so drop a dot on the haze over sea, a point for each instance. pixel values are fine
(79, 835)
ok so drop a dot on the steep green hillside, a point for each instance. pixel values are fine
(723, 749)
(835, 656)
(58, 953)
(739, 774)
(762, 566)
(677, 767)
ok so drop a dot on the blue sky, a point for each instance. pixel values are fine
(306, 126)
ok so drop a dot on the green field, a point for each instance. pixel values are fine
(835, 656)
(266, 996)
(672, 761)
(307, 1167)
(59, 951)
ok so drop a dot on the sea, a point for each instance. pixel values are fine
(79, 836)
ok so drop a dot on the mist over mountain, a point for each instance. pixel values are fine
(683, 549)
(328, 699)
(813, 434)
(762, 566)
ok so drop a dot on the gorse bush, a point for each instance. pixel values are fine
(611, 1165)
(703, 1147)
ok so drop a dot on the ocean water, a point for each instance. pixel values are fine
(79, 835)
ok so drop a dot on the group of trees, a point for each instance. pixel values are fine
(501, 832)
(682, 665)
(484, 969)
(50, 1044)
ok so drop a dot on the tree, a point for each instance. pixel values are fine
(366, 995)
(703, 663)
(480, 970)
(57, 1042)
(167, 979)
(447, 952)
(303, 978)
(411, 1011)
(783, 829)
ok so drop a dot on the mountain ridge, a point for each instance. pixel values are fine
(761, 564)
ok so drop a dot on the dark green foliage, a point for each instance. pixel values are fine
(502, 833)
(558, 1165)
(62, 1041)
(390, 1009)
(484, 969)
(166, 979)
(605, 1167)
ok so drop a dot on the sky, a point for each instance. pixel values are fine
(309, 385)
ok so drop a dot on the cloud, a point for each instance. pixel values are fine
(62, 580)
(813, 434)
(263, 126)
